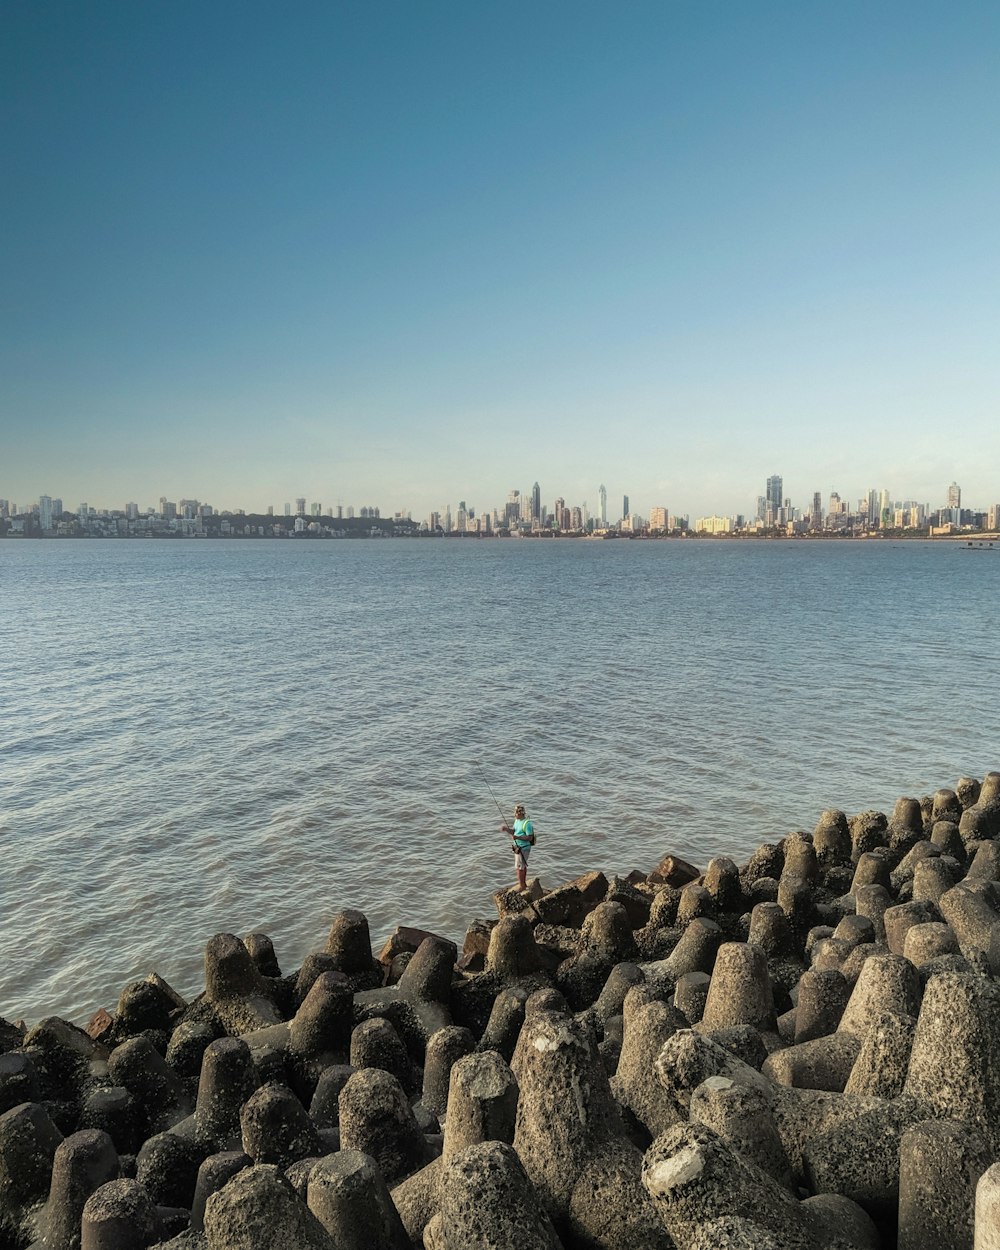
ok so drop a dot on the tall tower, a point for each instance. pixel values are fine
(954, 495)
(774, 497)
(816, 520)
(45, 512)
(625, 507)
(602, 507)
(536, 502)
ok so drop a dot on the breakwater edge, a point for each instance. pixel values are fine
(797, 1051)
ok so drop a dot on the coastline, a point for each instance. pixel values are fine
(757, 1046)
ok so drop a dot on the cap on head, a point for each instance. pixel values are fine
(519, 811)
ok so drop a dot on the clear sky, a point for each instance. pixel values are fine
(410, 253)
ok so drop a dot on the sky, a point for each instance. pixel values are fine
(407, 254)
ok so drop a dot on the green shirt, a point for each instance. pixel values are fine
(523, 831)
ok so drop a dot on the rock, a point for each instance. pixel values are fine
(672, 870)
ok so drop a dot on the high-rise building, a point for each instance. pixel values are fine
(873, 509)
(536, 502)
(132, 511)
(816, 519)
(954, 495)
(57, 509)
(45, 512)
(300, 507)
(625, 507)
(288, 509)
(774, 499)
(602, 506)
(657, 518)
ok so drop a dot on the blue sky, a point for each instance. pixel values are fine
(411, 253)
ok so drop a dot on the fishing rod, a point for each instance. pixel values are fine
(490, 788)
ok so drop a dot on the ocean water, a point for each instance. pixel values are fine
(235, 736)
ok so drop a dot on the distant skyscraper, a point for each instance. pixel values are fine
(602, 505)
(288, 509)
(774, 498)
(45, 512)
(300, 507)
(536, 502)
(625, 507)
(816, 520)
(954, 495)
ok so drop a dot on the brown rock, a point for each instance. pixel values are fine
(477, 937)
(403, 939)
(100, 1025)
(672, 870)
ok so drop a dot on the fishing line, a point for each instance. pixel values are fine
(490, 788)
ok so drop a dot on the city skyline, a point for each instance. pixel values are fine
(413, 254)
(876, 509)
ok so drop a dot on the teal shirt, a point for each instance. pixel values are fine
(523, 829)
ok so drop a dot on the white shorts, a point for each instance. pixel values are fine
(521, 859)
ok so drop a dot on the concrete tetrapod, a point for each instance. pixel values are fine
(482, 1105)
(348, 1196)
(376, 1119)
(227, 1080)
(118, 1216)
(83, 1162)
(740, 990)
(694, 1176)
(487, 1202)
(28, 1143)
(444, 1049)
(634, 1084)
(940, 1163)
(955, 1061)
(570, 1137)
(259, 1208)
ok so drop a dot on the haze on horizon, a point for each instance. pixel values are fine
(407, 255)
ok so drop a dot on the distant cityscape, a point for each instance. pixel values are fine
(523, 515)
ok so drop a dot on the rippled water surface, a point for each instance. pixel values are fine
(209, 736)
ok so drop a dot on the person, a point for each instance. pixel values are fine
(522, 837)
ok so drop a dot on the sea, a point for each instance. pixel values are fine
(248, 736)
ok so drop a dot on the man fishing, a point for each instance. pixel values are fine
(522, 839)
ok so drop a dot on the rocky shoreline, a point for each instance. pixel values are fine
(798, 1053)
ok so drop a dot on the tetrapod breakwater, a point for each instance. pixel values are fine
(800, 1052)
